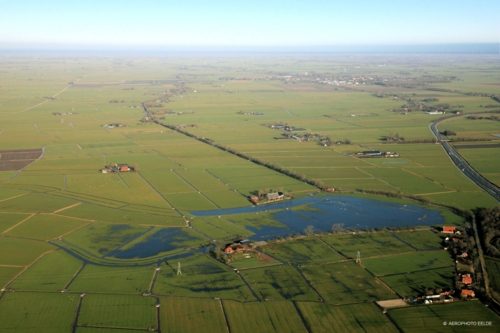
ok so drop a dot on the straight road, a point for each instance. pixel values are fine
(462, 164)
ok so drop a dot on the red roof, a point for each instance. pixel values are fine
(448, 229)
(124, 168)
(466, 280)
(466, 292)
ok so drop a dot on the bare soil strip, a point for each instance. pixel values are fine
(68, 207)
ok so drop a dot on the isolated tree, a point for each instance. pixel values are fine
(337, 228)
(309, 230)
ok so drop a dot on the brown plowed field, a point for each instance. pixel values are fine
(12, 160)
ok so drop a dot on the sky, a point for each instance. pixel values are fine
(242, 23)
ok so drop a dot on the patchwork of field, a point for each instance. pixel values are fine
(87, 251)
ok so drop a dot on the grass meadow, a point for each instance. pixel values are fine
(119, 311)
(64, 224)
(346, 318)
(178, 313)
(277, 316)
(37, 312)
(425, 318)
(346, 282)
(279, 282)
(411, 262)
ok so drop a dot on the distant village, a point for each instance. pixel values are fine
(345, 79)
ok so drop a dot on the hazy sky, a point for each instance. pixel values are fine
(248, 23)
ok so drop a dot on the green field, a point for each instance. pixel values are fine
(280, 282)
(21, 251)
(263, 317)
(369, 245)
(201, 277)
(32, 312)
(69, 230)
(346, 318)
(347, 282)
(51, 273)
(303, 251)
(177, 312)
(410, 262)
(117, 311)
(121, 280)
(415, 283)
(456, 316)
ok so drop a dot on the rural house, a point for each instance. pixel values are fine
(448, 230)
(275, 196)
(468, 293)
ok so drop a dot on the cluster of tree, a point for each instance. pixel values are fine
(396, 138)
(468, 139)
(449, 133)
(492, 117)
(116, 101)
(488, 106)
(417, 141)
(327, 141)
(489, 222)
(152, 104)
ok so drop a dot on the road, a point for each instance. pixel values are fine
(462, 164)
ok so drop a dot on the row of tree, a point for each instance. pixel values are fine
(276, 167)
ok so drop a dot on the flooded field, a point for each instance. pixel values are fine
(322, 213)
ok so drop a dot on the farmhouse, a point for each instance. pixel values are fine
(275, 196)
(113, 125)
(112, 168)
(466, 279)
(238, 246)
(234, 248)
(448, 230)
(254, 199)
(468, 293)
(371, 153)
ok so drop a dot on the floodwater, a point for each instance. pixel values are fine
(163, 240)
(354, 213)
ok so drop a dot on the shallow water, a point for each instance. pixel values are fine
(352, 212)
(163, 240)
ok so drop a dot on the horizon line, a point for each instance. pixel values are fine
(416, 48)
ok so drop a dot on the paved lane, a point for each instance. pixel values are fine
(462, 164)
